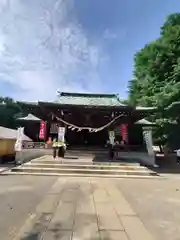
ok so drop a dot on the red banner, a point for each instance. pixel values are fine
(124, 132)
(42, 131)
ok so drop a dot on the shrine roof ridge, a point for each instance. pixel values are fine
(89, 95)
(89, 99)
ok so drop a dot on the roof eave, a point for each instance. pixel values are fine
(172, 105)
(28, 104)
(71, 94)
(85, 106)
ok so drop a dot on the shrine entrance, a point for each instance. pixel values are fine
(86, 138)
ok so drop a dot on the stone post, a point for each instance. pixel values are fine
(147, 134)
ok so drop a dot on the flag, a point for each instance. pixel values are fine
(42, 131)
(19, 140)
(124, 132)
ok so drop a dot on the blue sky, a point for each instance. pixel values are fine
(74, 45)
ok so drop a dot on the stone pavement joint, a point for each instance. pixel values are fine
(113, 235)
(39, 220)
(84, 209)
(107, 217)
(63, 217)
(134, 228)
(121, 206)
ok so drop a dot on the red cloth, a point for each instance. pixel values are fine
(124, 132)
(42, 131)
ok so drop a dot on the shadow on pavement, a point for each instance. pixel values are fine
(44, 229)
(166, 165)
(72, 158)
(103, 158)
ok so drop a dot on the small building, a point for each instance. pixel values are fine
(7, 141)
(87, 118)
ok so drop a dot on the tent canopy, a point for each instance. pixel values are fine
(30, 117)
(144, 122)
(8, 133)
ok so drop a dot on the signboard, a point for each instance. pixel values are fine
(42, 131)
(111, 137)
(54, 128)
(61, 134)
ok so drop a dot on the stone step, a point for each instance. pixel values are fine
(84, 161)
(85, 175)
(87, 171)
(61, 165)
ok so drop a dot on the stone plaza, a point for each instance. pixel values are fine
(50, 208)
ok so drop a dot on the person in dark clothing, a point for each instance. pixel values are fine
(54, 145)
(61, 152)
(178, 156)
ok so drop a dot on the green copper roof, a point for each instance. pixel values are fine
(89, 99)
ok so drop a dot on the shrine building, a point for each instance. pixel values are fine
(87, 119)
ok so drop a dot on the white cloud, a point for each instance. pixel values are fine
(119, 34)
(108, 34)
(43, 47)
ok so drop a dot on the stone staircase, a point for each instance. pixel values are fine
(81, 167)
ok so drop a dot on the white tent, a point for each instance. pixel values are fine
(8, 133)
(144, 122)
(30, 117)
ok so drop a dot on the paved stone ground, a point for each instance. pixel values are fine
(5, 167)
(52, 208)
(2, 169)
(19, 196)
(83, 209)
(157, 203)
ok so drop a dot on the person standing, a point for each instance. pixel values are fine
(59, 149)
(54, 145)
(178, 156)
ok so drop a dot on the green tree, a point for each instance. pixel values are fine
(8, 111)
(156, 80)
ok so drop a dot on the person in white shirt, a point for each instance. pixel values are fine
(178, 156)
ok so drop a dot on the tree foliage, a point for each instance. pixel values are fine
(156, 80)
(8, 111)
